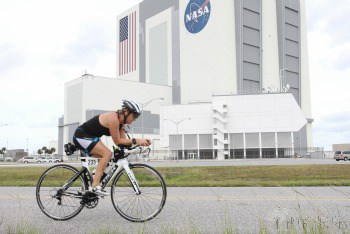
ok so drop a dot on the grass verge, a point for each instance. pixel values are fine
(226, 176)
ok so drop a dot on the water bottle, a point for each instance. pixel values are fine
(105, 172)
(108, 168)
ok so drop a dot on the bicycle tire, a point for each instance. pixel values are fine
(57, 202)
(153, 193)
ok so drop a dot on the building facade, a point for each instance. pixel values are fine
(341, 147)
(194, 51)
(235, 127)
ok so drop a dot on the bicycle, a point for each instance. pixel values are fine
(138, 191)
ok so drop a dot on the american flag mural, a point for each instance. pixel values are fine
(127, 44)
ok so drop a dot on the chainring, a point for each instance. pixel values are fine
(90, 200)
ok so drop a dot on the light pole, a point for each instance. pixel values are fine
(177, 133)
(282, 77)
(7, 142)
(143, 105)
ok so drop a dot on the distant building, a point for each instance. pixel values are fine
(16, 154)
(205, 58)
(345, 146)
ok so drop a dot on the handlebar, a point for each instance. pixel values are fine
(123, 152)
(137, 150)
(119, 153)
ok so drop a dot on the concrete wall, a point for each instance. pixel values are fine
(336, 147)
(246, 114)
(100, 94)
(208, 58)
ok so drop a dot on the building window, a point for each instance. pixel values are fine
(237, 153)
(252, 153)
(206, 154)
(268, 152)
(175, 142)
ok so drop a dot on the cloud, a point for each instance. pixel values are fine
(343, 59)
(332, 129)
(44, 44)
(94, 40)
(329, 17)
(339, 117)
(329, 65)
(328, 32)
(10, 58)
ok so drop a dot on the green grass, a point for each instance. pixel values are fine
(226, 176)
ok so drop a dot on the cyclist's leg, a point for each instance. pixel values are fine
(101, 151)
(92, 145)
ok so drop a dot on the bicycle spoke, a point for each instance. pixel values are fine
(142, 207)
(52, 199)
(129, 199)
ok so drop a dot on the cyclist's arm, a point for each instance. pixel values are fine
(123, 132)
(117, 135)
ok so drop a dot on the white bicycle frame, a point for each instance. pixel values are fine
(87, 162)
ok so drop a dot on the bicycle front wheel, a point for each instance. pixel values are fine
(139, 207)
(55, 201)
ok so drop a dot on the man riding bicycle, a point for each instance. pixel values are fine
(87, 137)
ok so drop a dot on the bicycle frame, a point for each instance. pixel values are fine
(65, 202)
(117, 167)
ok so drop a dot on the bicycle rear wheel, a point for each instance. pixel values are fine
(142, 207)
(55, 201)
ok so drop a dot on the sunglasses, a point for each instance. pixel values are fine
(136, 115)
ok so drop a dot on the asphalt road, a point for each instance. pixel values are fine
(201, 210)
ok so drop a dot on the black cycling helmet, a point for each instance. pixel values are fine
(133, 107)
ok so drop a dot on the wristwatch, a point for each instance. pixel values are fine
(133, 141)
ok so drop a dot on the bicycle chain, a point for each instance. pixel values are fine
(90, 200)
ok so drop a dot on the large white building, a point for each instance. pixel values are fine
(198, 53)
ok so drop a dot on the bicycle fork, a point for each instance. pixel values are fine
(125, 164)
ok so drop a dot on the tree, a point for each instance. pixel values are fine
(47, 151)
(3, 150)
(53, 150)
(44, 149)
(40, 152)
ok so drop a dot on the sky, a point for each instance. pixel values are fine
(44, 44)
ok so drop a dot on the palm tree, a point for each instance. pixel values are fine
(44, 149)
(3, 150)
(40, 152)
(53, 150)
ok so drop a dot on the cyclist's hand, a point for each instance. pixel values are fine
(143, 142)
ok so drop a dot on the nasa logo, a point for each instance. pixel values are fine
(197, 15)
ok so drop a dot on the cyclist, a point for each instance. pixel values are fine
(87, 137)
